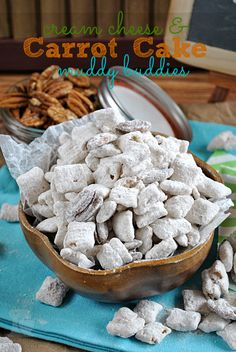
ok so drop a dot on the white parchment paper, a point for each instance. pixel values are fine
(41, 152)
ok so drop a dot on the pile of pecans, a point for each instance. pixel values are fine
(118, 194)
(47, 98)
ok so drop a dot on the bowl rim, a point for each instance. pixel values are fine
(104, 272)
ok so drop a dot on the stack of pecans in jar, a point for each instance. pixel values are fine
(47, 98)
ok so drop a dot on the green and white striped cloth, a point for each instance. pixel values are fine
(225, 164)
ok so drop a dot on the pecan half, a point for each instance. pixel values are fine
(79, 81)
(59, 114)
(58, 89)
(13, 100)
(32, 119)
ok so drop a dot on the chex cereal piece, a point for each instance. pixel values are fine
(229, 335)
(153, 333)
(123, 225)
(162, 250)
(202, 212)
(127, 197)
(133, 245)
(215, 282)
(167, 227)
(195, 301)
(148, 197)
(222, 308)
(148, 310)
(212, 322)
(108, 257)
(179, 206)
(120, 248)
(156, 175)
(175, 188)
(102, 232)
(125, 323)
(193, 236)
(182, 240)
(226, 255)
(9, 212)
(77, 258)
(52, 292)
(182, 320)
(48, 225)
(145, 235)
(212, 189)
(31, 185)
(100, 139)
(7, 345)
(72, 178)
(80, 236)
(225, 140)
(134, 125)
(158, 210)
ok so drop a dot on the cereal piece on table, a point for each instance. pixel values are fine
(193, 236)
(108, 257)
(100, 139)
(225, 140)
(182, 240)
(134, 125)
(212, 189)
(182, 320)
(229, 335)
(7, 345)
(123, 225)
(195, 301)
(145, 235)
(175, 188)
(215, 282)
(48, 225)
(120, 248)
(148, 310)
(148, 197)
(76, 258)
(102, 232)
(125, 323)
(31, 185)
(133, 245)
(212, 322)
(226, 255)
(168, 227)
(127, 197)
(222, 308)
(162, 250)
(202, 212)
(160, 175)
(9, 212)
(136, 256)
(72, 178)
(157, 211)
(153, 333)
(52, 292)
(80, 236)
(179, 206)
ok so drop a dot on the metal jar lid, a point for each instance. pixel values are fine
(137, 97)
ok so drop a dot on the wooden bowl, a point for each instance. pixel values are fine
(132, 281)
